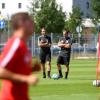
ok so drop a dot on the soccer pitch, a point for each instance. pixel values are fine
(77, 87)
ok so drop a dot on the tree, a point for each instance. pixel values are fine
(74, 20)
(34, 7)
(96, 8)
(50, 16)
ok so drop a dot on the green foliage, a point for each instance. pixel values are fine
(34, 6)
(51, 16)
(96, 8)
(74, 20)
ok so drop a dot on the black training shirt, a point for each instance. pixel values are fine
(45, 39)
(66, 40)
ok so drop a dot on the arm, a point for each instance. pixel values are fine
(8, 75)
(36, 65)
(41, 44)
(50, 42)
(6, 57)
(48, 45)
(67, 46)
(61, 44)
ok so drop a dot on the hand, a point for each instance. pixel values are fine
(36, 68)
(67, 46)
(46, 43)
(36, 65)
(32, 80)
(43, 44)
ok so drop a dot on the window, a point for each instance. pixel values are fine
(19, 5)
(3, 5)
(87, 5)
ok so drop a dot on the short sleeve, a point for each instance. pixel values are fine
(50, 40)
(39, 38)
(9, 52)
(70, 41)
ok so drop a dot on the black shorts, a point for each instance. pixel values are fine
(63, 60)
(45, 57)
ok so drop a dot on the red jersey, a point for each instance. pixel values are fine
(16, 58)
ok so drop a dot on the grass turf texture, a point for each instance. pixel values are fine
(77, 87)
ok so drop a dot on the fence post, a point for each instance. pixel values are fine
(34, 43)
(8, 26)
(52, 44)
(32, 46)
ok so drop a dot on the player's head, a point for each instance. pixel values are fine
(22, 21)
(43, 31)
(65, 33)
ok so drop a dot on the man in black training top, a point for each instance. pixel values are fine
(64, 56)
(44, 42)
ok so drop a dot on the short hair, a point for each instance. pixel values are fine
(43, 28)
(65, 30)
(16, 18)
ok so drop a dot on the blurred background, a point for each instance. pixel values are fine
(79, 17)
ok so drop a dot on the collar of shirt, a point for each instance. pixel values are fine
(44, 35)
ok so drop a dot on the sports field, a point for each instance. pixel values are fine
(77, 87)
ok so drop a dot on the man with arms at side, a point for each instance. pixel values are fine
(44, 42)
(64, 56)
(16, 60)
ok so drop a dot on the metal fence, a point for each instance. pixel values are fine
(83, 47)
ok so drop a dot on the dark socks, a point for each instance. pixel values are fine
(66, 75)
(60, 73)
(49, 74)
(44, 75)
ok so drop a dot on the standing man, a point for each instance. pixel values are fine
(15, 60)
(64, 56)
(44, 42)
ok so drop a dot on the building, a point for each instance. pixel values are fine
(84, 5)
(8, 7)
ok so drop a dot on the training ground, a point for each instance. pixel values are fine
(77, 87)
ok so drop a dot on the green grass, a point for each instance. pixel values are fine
(77, 87)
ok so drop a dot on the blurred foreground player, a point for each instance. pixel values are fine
(44, 42)
(16, 61)
(64, 56)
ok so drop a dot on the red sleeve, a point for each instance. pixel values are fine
(9, 51)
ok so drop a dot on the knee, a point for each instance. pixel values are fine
(49, 63)
(67, 65)
(58, 65)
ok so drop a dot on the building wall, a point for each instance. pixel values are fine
(11, 6)
(85, 6)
